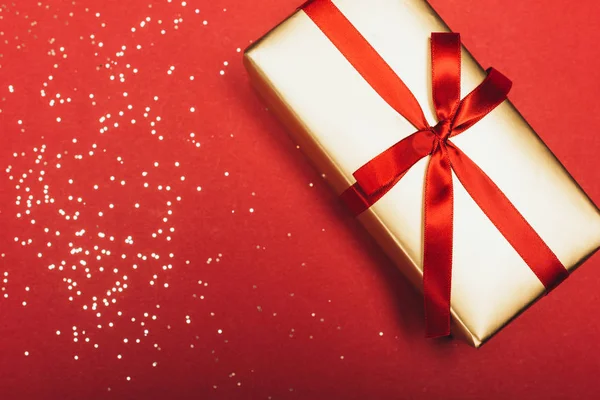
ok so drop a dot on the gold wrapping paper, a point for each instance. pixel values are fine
(341, 123)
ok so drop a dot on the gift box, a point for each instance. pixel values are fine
(470, 204)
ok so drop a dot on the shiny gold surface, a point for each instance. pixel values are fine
(341, 123)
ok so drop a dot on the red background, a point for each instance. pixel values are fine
(274, 291)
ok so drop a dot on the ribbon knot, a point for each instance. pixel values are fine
(442, 130)
(379, 175)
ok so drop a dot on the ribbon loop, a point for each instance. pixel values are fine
(445, 73)
(481, 101)
(383, 171)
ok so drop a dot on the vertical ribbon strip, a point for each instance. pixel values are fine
(378, 176)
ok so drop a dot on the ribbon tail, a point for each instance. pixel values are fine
(507, 219)
(437, 255)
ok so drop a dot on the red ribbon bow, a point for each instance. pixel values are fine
(378, 176)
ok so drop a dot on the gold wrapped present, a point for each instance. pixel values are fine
(342, 123)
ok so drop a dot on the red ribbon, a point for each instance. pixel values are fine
(378, 176)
